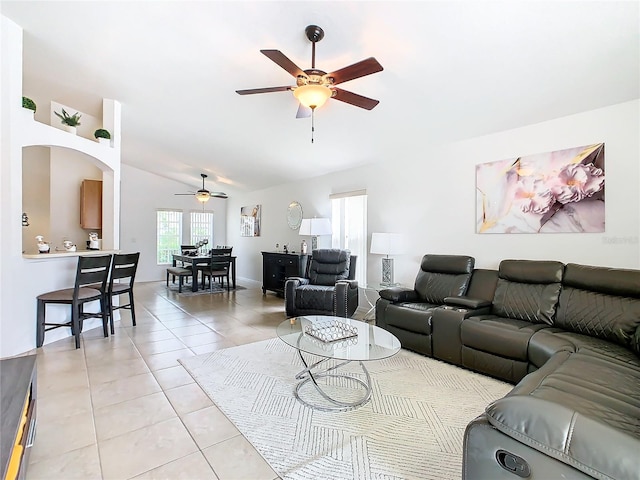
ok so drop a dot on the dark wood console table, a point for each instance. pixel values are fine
(277, 266)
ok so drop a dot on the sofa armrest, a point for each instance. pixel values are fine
(290, 285)
(399, 294)
(345, 300)
(466, 302)
(591, 446)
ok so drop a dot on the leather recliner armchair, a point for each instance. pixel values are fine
(407, 312)
(328, 289)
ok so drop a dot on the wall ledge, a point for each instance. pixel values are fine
(79, 253)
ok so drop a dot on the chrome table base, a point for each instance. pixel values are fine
(312, 374)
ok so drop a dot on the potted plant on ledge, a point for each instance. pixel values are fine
(103, 136)
(30, 105)
(70, 122)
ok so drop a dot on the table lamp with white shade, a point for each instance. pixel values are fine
(387, 244)
(314, 227)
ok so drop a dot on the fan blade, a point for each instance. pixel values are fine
(355, 99)
(357, 70)
(262, 90)
(281, 59)
(303, 112)
(219, 195)
(192, 194)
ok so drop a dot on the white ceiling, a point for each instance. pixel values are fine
(452, 70)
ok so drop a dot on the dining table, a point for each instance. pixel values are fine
(201, 260)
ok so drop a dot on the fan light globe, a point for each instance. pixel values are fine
(202, 196)
(312, 96)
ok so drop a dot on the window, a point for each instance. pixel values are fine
(349, 225)
(201, 227)
(169, 231)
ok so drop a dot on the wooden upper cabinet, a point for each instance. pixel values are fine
(91, 204)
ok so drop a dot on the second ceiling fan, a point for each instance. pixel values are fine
(203, 195)
(313, 86)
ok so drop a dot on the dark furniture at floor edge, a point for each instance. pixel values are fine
(17, 413)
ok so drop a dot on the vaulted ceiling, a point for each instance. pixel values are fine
(452, 70)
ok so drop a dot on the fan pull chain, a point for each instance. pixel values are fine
(313, 129)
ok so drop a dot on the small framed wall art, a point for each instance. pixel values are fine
(250, 221)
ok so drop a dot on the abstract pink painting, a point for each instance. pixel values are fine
(561, 191)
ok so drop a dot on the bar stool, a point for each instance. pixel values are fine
(91, 270)
(123, 268)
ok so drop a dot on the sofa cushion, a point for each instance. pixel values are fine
(329, 265)
(506, 337)
(600, 302)
(547, 342)
(528, 290)
(413, 317)
(315, 297)
(580, 409)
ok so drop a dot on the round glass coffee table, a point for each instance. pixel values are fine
(350, 341)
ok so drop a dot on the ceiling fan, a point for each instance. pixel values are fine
(314, 87)
(203, 195)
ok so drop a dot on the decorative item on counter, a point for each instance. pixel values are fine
(28, 104)
(69, 246)
(93, 243)
(102, 135)
(303, 247)
(69, 121)
(25, 219)
(285, 247)
(43, 247)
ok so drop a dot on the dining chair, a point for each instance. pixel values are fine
(187, 249)
(90, 270)
(123, 269)
(219, 267)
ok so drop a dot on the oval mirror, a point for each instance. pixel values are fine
(294, 215)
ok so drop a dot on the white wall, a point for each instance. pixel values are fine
(143, 194)
(35, 196)
(428, 193)
(68, 169)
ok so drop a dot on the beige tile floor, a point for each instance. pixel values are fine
(123, 407)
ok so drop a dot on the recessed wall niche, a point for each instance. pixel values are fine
(51, 180)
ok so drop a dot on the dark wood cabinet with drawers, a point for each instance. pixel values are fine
(277, 266)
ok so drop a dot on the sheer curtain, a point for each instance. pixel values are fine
(349, 225)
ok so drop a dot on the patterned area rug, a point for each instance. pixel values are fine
(411, 428)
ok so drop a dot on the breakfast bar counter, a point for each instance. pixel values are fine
(78, 253)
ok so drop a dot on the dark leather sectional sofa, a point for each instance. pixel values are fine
(567, 336)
